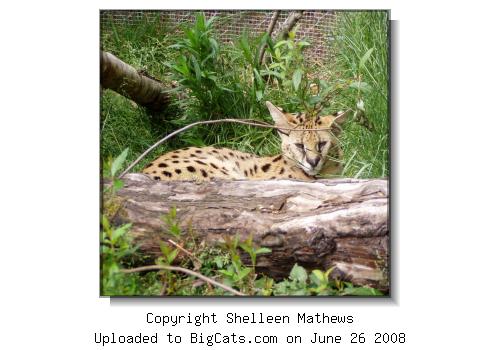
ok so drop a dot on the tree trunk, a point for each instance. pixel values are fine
(289, 24)
(341, 223)
(127, 81)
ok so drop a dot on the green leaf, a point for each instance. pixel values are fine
(196, 67)
(227, 273)
(208, 24)
(365, 57)
(297, 78)
(299, 292)
(312, 100)
(215, 45)
(270, 43)
(276, 65)
(218, 261)
(120, 231)
(360, 85)
(280, 43)
(325, 291)
(117, 184)
(263, 40)
(245, 47)
(105, 223)
(260, 283)
(328, 272)
(263, 250)
(175, 230)
(243, 273)
(114, 268)
(277, 52)
(273, 73)
(258, 79)
(165, 249)
(361, 291)
(318, 277)
(226, 89)
(118, 162)
(249, 250)
(258, 95)
(172, 255)
(298, 273)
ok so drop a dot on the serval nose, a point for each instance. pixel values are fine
(313, 161)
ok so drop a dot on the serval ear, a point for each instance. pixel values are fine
(334, 121)
(281, 120)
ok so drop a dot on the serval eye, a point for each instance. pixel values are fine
(321, 145)
(300, 146)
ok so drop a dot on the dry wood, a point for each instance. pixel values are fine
(290, 22)
(127, 81)
(341, 223)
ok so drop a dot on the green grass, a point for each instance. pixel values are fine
(365, 152)
(231, 91)
(124, 124)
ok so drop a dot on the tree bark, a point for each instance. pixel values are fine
(290, 22)
(127, 81)
(340, 223)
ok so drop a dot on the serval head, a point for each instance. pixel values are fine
(309, 149)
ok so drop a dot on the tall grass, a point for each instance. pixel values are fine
(366, 152)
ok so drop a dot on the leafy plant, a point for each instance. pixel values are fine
(250, 53)
(171, 220)
(318, 283)
(321, 282)
(296, 284)
(349, 289)
(111, 169)
(116, 252)
(264, 286)
(235, 272)
(252, 250)
(196, 66)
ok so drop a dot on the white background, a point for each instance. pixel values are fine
(445, 205)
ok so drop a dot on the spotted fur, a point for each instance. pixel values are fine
(304, 154)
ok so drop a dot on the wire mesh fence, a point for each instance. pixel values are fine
(317, 27)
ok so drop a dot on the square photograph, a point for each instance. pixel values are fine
(244, 153)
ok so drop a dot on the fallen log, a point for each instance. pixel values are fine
(131, 83)
(341, 223)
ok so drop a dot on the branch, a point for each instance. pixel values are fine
(185, 251)
(131, 83)
(269, 31)
(290, 22)
(187, 272)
